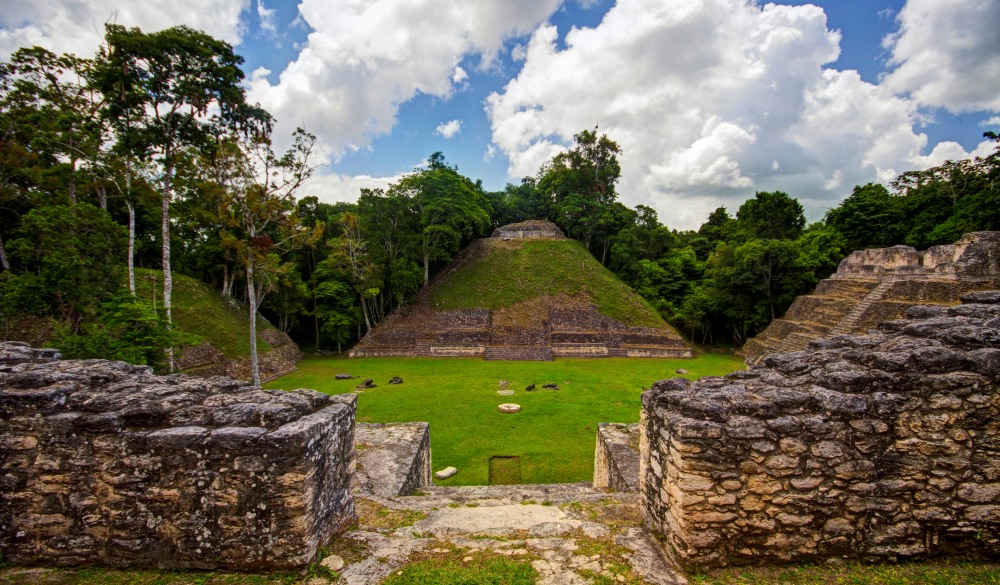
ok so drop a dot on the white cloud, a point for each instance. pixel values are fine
(753, 107)
(364, 59)
(947, 54)
(459, 76)
(449, 129)
(994, 121)
(267, 16)
(491, 151)
(334, 187)
(78, 26)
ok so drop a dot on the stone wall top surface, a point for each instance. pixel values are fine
(533, 228)
(117, 396)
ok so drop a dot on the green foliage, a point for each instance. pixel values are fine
(202, 312)
(74, 256)
(581, 186)
(124, 329)
(771, 216)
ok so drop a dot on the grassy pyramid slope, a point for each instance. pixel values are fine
(525, 299)
(200, 310)
(223, 324)
(501, 274)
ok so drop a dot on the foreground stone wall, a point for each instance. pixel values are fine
(875, 447)
(103, 462)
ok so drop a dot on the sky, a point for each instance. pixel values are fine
(710, 100)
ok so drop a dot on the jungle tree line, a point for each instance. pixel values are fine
(149, 154)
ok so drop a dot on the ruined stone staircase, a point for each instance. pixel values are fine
(853, 317)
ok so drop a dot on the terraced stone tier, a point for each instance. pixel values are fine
(876, 285)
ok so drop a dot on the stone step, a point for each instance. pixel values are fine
(521, 353)
(496, 495)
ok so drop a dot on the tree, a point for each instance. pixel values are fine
(262, 218)
(449, 208)
(771, 215)
(60, 104)
(162, 85)
(869, 218)
(71, 256)
(581, 184)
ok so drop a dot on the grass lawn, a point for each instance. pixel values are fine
(555, 431)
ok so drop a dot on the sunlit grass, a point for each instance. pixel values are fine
(555, 431)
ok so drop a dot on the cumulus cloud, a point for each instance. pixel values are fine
(449, 129)
(363, 60)
(334, 187)
(947, 54)
(710, 101)
(268, 19)
(78, 26)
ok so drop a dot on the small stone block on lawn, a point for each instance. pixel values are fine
(445, 473)
(343, 377)
(332, 563)
(510, 407)
(505, 392)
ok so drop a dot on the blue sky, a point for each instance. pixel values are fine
(711, 100)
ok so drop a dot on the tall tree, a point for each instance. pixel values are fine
(771, 215)
(581, 184)
(61, 105)
(164, 84)
(450, 209)
(262, 218)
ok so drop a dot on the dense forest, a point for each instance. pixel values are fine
(148, 154)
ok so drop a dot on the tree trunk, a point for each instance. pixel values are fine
(427, 263)
(3, 256)
(102, 196)
(71, 188)
(168, 282)
(131, 246)
(252, 294)
(225, 277)
(315, 317)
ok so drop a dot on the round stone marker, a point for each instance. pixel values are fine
(505, 392)
(510, 407)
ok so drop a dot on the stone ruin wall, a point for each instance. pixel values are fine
(529, 229)
(873, 447)
(103, 462)
(394, 459)
(871, 286)
(205, 360)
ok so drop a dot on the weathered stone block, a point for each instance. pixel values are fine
(888, 449)
(113, 478)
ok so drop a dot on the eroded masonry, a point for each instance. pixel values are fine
(103, 462)
(875, 447)
(871, 286)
